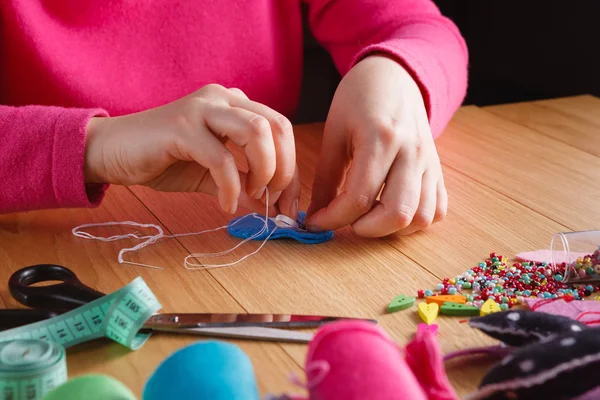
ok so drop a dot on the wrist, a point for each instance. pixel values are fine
(390, 65)
(93, 164)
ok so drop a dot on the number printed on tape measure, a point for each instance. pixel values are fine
(30, 388)
(61, 333)
(9, 390)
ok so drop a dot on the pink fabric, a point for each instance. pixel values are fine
(358, 360)
(593, 394)
(362, 362)
(572, 309)
(41, 158)
(424, 356)
(98, 57)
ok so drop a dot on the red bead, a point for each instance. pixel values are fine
(477, 297)
(492, 255)
(444, 290)
(421, 294)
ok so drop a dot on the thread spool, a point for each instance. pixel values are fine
(205, 370)
(29, 369)
(91, 387)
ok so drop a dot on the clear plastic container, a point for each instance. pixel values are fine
(578, 254)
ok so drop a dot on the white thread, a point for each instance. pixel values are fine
(280, 221)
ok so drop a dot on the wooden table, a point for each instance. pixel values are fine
(515, 175)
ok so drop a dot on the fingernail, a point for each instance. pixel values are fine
(294, 209)
(313, 228)
(233, 207)
(259, 193)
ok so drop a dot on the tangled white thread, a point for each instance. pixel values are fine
(189, 263)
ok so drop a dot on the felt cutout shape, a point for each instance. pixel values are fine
(563, 367)
(587, 312)
(357, 360)
(523, 327)
(489, 307)
(424, 357)
(244, 228)
(428, 312)
(401, 303)
(452, 298)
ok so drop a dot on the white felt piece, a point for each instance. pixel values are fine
(546, 256)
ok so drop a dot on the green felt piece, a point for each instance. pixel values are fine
(401, 303)
(91, 387)
(458, 309)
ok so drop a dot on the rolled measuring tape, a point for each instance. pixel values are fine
(118, 316)
(29, 368)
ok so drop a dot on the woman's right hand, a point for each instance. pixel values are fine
(180, 147)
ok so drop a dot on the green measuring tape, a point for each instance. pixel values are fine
(118, 316)
(29, 369)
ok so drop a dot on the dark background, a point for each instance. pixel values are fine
(518, 50)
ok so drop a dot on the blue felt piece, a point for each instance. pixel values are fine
(245, 226)
(205, 370)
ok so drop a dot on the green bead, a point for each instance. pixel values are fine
(467, 285)
(457, 309)
(495, 259)
(401, 303)
(504, 306)
(589, 271)
(504, 299)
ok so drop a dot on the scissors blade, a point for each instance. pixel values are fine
(250, 332)
(206, 320)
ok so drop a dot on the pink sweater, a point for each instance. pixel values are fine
(64, 61)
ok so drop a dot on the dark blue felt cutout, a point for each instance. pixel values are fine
(246, 226)
(523, 327)
(561, 368)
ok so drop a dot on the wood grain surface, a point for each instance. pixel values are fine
(515, 173)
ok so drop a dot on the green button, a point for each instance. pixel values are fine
(457, 309)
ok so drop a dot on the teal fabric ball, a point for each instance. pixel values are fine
(205, 370)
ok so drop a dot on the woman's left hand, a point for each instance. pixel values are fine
(377, 135)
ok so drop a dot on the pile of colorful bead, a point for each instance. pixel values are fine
(509, 285)
(584, 267)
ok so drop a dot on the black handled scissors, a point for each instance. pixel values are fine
(45, 301)
(52, 300)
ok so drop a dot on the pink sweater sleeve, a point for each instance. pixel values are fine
(41, 158)
(414, 32)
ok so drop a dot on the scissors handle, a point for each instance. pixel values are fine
(68, 295)
(18, 317)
